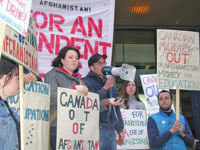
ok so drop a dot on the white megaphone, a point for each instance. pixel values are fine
(125, 72)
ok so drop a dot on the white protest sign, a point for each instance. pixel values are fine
(135, 127)
(36, 115)
(16, 13)
(178, 60)
(2, 32)
(149, 85)
(77, 120)
(84, 24)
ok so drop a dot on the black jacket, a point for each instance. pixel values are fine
(112, 116)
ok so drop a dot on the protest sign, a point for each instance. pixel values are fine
(16, 13)
(84, 24)
(22, 50)
(36, 116)
(178, 59)
(2, 32)
(149, 85)
(77, 120)
(135, 128)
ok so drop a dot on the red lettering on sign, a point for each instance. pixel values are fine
(91, 24)
(81, 28)
(45, 19)
(57, 23)
(176, 57)
(43, 40)
(75, 128)
(16, 12)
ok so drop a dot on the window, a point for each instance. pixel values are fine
(135, 48)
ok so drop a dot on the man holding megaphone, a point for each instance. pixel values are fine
(110, 118)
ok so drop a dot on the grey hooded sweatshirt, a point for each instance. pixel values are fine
(57, 78)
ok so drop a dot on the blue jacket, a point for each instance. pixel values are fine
(112, 116)
(160, 138)
(8, 131)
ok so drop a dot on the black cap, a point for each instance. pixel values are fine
(95, 58)
(6, 66)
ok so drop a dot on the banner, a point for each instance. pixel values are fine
(16, 13)
(85, 24)
(22, 50)
(77, 120)
(178, 60)
(36, 114)
(135, 127)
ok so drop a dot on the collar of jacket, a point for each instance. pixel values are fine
(163, 113)
(73, 75)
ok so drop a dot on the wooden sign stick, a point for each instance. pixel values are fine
(21, 87)
(177, 103)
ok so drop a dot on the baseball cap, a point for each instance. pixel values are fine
(6, 66)
(95, 58)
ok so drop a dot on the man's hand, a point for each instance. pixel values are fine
(120, 140)
(177, 127)
(116, 103)
(110, 82)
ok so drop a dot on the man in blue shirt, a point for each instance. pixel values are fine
(164, 131)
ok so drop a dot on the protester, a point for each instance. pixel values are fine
(130, 91)
(110, 119)
(9, 119)
(164, 131)
(63, 74)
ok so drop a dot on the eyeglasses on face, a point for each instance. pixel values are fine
(101, 63)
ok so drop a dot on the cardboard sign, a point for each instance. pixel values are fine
(149, 85)
(77, 120)
(2, 32)
(16, 13)
(178, 60)
(36, 115)
(22, 50)
(135, 128)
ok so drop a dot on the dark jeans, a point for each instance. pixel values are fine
(107, 139)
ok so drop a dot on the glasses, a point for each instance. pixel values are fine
(101, 63)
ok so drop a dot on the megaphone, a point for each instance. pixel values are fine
(125, 72)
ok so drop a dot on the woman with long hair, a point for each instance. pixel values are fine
(9, 120)
(129, 90)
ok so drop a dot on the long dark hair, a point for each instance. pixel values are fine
(61, 55)
(124, 94)
(9, 68)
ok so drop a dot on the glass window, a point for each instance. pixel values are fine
(135, 48)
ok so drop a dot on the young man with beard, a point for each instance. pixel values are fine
(164, 131)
